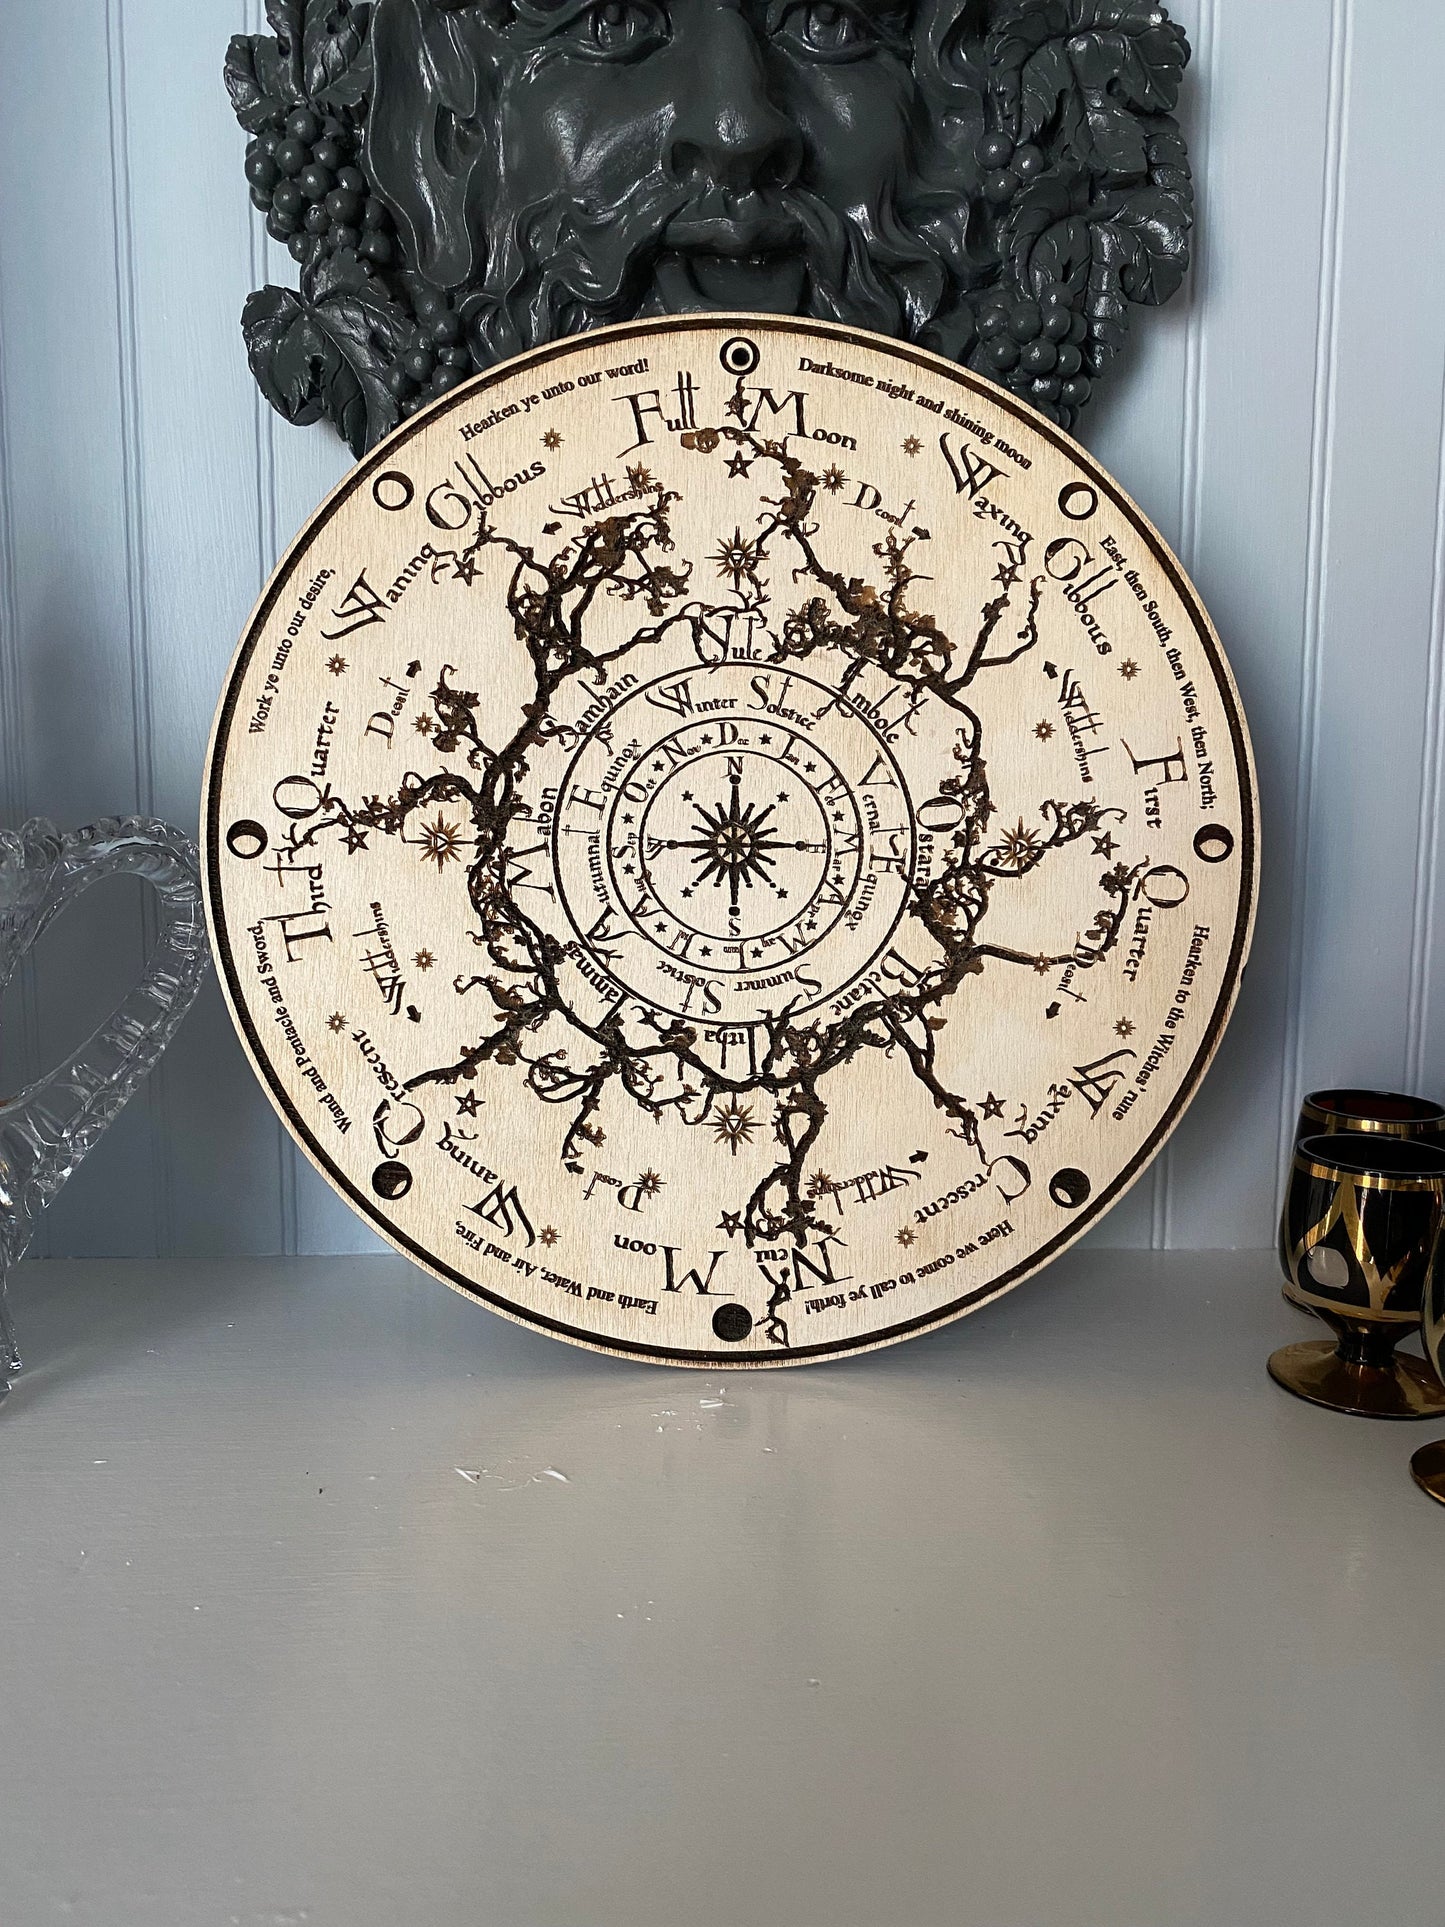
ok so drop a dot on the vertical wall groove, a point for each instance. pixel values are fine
(14, 775)
(12, 734)
(1427, 842)
(1292, 1072)
(137, 608)
(267, 537)
(1192, 447)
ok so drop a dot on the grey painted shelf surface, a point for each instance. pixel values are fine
(327, 1598)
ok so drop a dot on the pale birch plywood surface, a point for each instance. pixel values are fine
(731, 840)
(1061, 1617)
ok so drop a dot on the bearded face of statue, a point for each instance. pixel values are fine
(627, 157)
(461, 180)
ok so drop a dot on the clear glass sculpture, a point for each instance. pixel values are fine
(47, 1128)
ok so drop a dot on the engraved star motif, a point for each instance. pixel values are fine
(1104, 845)
(337, 665)
(833, 479)
(1019, 849)
(423, 960)
(1128, 669)
(464, 569)
(640, 477)
(1123, 1028)
(737, 407)
(424, 725)
(992, 1106)
(548, 1234)
(467, 1106)
(551, 439)
(739, 465)
(732, 1124)
(911, 445)
(1007, 575)
(1043, 731)
(1043, 965)
(906, 1237)
(441, 842)
(649, 1184)
(354, 839)
(731, 1222)
(336, 1021)
(738, 558)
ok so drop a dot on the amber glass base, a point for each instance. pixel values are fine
(1398, 1387)
(1427, 1468)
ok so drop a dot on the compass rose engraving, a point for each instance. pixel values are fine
(735, 843)
(744, 850)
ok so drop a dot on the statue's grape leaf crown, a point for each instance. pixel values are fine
(1057, 193)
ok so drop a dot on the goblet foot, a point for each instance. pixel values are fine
(1395, 1387)
(1427, 1468)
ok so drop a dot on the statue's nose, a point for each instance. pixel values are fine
(727, 131)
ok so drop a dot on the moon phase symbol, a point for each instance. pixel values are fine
(391, 1180)
(732, 1323)
(1069, 1189)
(739, 355)
(1081, 494)
(1213, 843)
(400, 491)
(247, 839)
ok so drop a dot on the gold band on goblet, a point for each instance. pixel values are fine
(1375, 1113)
(1359, 1238)
(1385, 1113)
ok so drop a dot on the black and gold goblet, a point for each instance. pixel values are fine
(1377, 1113)
(1362, 1226)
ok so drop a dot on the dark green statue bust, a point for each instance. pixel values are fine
(459, 180)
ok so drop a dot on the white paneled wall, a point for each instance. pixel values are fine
(1283, 422)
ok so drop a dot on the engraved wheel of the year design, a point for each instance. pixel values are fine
(730, 841)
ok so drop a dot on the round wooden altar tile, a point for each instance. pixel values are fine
(731, 841)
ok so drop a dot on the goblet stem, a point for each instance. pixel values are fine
(1371, 1350)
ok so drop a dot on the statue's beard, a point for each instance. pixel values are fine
(557, 268)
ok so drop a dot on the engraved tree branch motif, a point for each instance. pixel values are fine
(568, 1060)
